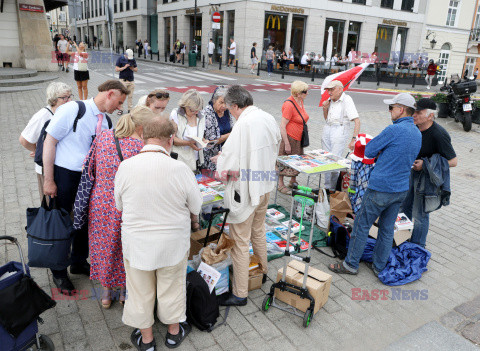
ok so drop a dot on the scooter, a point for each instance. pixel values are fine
(459, 100)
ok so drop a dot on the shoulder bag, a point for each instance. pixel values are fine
(305, 139)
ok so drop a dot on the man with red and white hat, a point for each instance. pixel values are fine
(361, 168)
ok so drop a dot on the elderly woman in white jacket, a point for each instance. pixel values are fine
(190, 123)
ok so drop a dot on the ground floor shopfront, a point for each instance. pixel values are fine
(284, 27)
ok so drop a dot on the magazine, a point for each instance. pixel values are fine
(295, 226)
(209, 274)
(275, 213)
(198, 141)
(403, 223)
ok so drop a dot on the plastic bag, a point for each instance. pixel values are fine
(322, 212)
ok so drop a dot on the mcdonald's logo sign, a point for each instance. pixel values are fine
(381, 32)
(274, 19)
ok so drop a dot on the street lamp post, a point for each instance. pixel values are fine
(88, 28)
(195, 25)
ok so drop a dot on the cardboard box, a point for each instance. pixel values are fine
(318, 285)
(255, 280)
(197, 240)
(399, 236)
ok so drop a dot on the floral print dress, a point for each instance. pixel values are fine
(104, 231)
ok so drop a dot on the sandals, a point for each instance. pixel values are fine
(174, 341)
(284, 190)
(123, 296)
(340, 269)
(107, 298)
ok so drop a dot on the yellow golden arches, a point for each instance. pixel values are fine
(274, 19)
(381, 32)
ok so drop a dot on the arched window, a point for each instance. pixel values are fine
(443, 62)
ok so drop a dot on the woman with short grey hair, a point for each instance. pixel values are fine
(218, 125)
(57, 94)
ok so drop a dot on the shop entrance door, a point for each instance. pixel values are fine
(196, 38)
(154, 33)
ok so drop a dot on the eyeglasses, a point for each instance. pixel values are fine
(68, 97)
(160, 95)
(304, 92)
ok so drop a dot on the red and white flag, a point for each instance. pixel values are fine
(347, 78)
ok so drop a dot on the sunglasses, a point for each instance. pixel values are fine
(160, 95)
(304, 92)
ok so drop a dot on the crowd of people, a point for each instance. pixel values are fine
(138, 229)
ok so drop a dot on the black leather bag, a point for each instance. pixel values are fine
(305, 138)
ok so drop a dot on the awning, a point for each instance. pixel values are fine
(53, 4)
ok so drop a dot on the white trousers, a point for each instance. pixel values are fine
(429, 80)
(334, 139)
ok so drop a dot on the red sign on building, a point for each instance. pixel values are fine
(31, 8)
(216, 17)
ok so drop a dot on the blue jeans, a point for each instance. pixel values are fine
(375, 204)
(269, 66)
(413, 206)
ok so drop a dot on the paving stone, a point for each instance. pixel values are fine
(469, 309)
(452, 319)
(237, 321)
(263, 325)
(98, 336)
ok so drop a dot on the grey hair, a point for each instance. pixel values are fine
(429, 111)
(218, 94)
(191, 99)
(54, 90)
(239, 96)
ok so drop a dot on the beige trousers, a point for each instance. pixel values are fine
(131, 87)
(253, 229)
(167, 285)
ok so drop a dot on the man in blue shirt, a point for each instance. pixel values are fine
(126, 65)
(396, 148)
(64, 151)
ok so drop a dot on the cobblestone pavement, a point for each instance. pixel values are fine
(453, 278)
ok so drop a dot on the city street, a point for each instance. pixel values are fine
(448, 319)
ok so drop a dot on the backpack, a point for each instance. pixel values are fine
(38, 159)
(202, 306)
(338, 239)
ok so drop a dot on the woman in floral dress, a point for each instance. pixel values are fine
(106, 259)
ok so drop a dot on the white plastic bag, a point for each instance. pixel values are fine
(322, 212)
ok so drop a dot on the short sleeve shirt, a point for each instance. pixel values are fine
(295, 124)
(126, 74)
(73, 146)
(342, 111)
(436, 140)
(233, 49)
(32, 131)
(211, 47)
(62, 46)
(253, 52)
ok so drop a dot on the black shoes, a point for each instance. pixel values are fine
(81, 269)
(174, 341)
(63, 68)
(65, 285)
(232, 300)
(264, 279)
(66, 70)
(137, 341)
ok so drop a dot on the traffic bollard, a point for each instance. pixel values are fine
(203, 61)
(144, 54)
(166, 56)
(151, 55)
(396, 81)
(283, 71)
(313, 73)
(183, 59)
(236, 66)
(158, 55)
(258, 68)
(414, 80)
(220, 63)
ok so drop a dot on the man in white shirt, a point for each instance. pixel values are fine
(156, 235)
(304, 60)
(211, 49)
(247, 165)
(338, 111)
(62, 46)
(232, 52)
(352, 55)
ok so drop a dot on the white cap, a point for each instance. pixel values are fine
(404, 99)
(129, 54)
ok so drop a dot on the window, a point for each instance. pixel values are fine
(96, 8)
(135, 6)
(115, 6)
(443, 62)
(387, 4)
(121, 5)
(407, 5)
(336, 38)
(470, 66)
(298, 35)
(362, 2)
(165, 1)
(452, 13)
(127, 5)
(275, 31)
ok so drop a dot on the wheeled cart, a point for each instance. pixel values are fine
(306, 197)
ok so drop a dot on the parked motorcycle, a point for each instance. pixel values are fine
(459, 100)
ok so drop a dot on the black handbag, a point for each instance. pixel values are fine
(305, 138)
(49, 232)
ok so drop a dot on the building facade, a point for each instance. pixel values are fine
(58, 20)
(447, 34)
(472, 59)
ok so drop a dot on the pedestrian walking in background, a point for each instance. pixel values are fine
(156, 236)
(251, 148)
(269, 56)
(126, 65)
(64, 151)
(80, 69)
(253, 57)
(139, 47)
(436, 149)
(145, 47)
(431, 71)
(63, 48)
(338, 111)
(106, 258)
(211, 49)
(396, 147)
(177, 48)
(232, 52)
(57, 94)
(294, 117)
